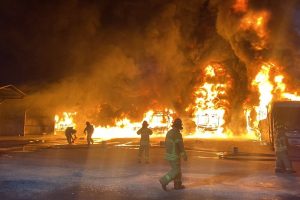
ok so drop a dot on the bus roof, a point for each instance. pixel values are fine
(286, 104)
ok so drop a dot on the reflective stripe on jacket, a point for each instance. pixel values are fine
(89, 129)
(280, 142)
(145, 133)
(174, 145)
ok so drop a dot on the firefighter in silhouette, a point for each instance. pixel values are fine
(145, 132)
(283, 163)
(70, 133)
(174, 152)
(89, 130)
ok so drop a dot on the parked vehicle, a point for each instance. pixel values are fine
(286, 113)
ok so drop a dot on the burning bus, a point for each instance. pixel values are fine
(204, 70)
(217, 93)
(211, 102)
(64, 121)
(159, 121)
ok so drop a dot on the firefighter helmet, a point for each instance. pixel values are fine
(145, 124)
(177, 123)
(279, 126)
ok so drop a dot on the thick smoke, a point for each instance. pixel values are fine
(281, 40)
(114, 59)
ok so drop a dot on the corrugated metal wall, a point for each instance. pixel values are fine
(15, 120)
(12, 123)
(37, 124)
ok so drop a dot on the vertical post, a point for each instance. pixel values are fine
(25, 121)
(270, 123)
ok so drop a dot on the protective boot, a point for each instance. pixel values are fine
(290, 171)
(147, 161)
(163, 186)
(178, 186)
(278, 170)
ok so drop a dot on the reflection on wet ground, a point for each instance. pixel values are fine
(20, 146)
(109, 168)
(201, 148)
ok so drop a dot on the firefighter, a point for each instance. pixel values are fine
(89, 130)
(145, 132)
(174, 152)
(69, 132)
(283, 163)
(73, 137)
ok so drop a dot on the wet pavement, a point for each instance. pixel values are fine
(45, 167)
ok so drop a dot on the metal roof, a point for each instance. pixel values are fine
(10, 92)
(286, 104)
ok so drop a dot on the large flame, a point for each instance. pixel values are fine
(209, 110)
(265, 88)
(256, 21)
(210, 104)
(63, 121)
(159, 122)
(211, 98)
(270, 84)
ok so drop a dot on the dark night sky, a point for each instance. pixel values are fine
(45, 41)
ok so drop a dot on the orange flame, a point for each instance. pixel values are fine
(240, 6)
(159, 122)
(265, 88)
(208, 108)
(257, 22)
(66, 120)
(271, 87)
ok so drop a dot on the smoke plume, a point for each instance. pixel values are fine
(110, 59)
